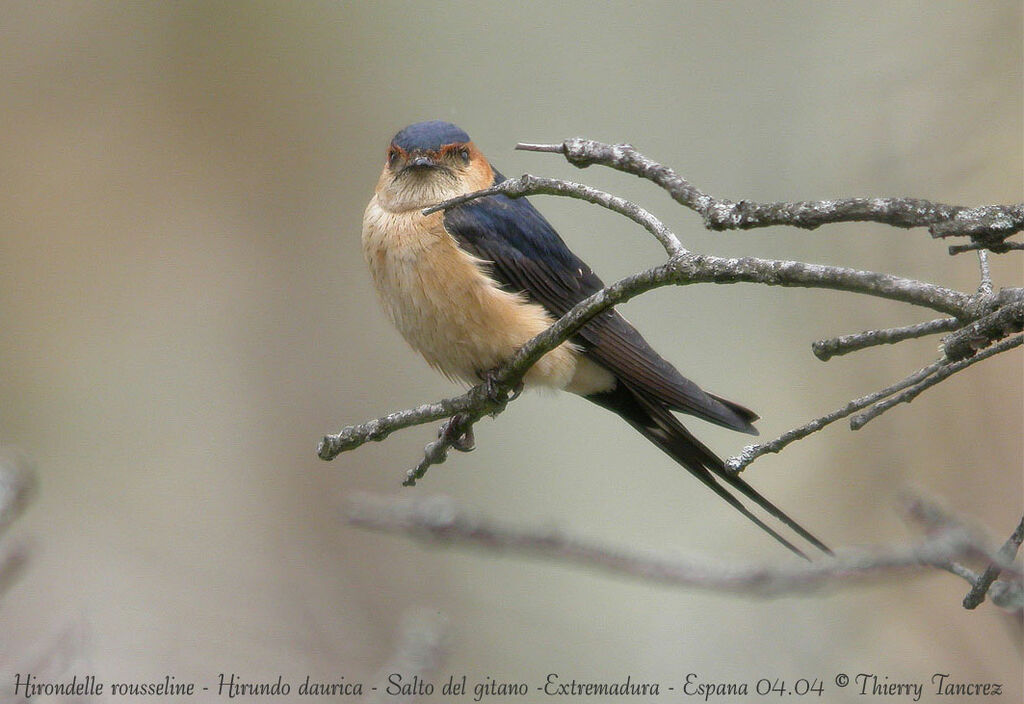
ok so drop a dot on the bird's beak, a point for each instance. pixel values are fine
(421, 162)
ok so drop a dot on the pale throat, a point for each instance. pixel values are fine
(415, 191)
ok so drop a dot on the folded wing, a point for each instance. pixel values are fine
(527, 255)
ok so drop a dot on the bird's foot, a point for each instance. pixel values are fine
(457, 438)
(493, 389)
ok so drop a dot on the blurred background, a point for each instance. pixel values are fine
(186, 312)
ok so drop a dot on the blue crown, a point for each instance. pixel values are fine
(429, 136)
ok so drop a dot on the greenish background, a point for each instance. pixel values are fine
(186, 311)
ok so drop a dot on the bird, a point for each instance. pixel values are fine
(468, 286)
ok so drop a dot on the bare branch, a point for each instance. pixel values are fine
(987, 221)
(998, 248)
(706, 268)
(995, 326)
(486, 398)
(353, 436)
(697, 268)
(837, 346)
(12, 564)
(752, 452)
(944, 371)
(438, 518)
(527, 185)
(683, 268)
(456, 432)
(977, 320)
(987, 226)
(17, 485)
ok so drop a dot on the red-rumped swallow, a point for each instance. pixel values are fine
(468, 286)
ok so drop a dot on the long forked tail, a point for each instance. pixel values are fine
(660, 426)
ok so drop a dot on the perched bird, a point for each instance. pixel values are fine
(468, 286)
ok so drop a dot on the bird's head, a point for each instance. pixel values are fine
(429, 162)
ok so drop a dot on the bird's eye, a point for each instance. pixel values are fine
(392, 157)
(464, 155)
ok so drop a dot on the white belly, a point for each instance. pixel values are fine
(452, 313)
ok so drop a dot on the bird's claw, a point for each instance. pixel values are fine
(457, 439)
(516, 391)
(494, 391)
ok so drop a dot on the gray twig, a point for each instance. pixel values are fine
(353, 436)
(837, 346)
(944, 371)
(998, 248)
(988, 226)
(983, 584)
(456, 432)
(985, 286)
(983, 332)
(752, 452)
(528, 185)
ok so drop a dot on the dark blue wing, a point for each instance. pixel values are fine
(528, 256)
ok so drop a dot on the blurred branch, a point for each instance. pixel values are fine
(987, 226)
(1005, 594)
(439, 519)
(62, 653)
(12, 564)
(55, 656)
(420, 652)
(17, 485)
